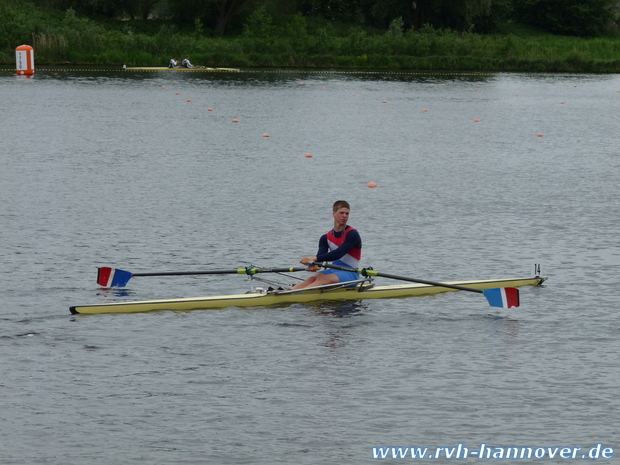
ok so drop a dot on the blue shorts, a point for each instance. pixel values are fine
(343, 276)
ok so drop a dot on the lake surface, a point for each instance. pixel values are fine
(121, 169)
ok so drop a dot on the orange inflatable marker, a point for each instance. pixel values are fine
(24, 60)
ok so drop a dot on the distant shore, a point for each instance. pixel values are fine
(69, 40)
(414, 52)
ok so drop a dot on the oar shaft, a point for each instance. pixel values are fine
(422, 281)
(367, 272)
(248, 271)
(113, 277)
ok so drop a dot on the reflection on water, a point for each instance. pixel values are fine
(336, 339)
(505, 325)
(112, 294)
(341, 309)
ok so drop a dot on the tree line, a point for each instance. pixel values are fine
(586, 18)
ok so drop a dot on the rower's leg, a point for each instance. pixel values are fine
(318, 279)
(305, 284)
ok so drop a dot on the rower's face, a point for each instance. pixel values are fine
(341, 216)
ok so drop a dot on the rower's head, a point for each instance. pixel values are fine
(341, 214)
(341, 204)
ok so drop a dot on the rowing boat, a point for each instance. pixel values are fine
(357, 290)
(165, 68)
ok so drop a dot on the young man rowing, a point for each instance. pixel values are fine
(342, 245)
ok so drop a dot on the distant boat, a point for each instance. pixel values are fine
(165, 68)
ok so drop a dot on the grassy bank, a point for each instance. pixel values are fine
(67, 39)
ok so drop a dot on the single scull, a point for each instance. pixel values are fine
(357, 290)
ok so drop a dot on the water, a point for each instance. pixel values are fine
(117, 169)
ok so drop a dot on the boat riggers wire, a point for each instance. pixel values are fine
(114, 277)
(505, 297)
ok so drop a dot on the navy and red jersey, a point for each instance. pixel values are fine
(344, 246)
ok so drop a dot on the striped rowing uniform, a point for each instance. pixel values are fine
(343, 248)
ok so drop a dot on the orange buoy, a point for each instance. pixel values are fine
(476, 121)
(425, 109)
(308, 155)
(562, 102)
(235, 121)
(372, 185)
(24, 60)
(539, 134)
(385, 101)
(163, 87)
(188, 100)
(324, 88)
(209, 109)
(475, 90)
(177, 93)
(301, 84)
(265, 135)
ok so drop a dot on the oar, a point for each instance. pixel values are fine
(504, 297)
(113, 277)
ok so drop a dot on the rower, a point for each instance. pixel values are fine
(173, 63)
(186, 63)
(342, 246)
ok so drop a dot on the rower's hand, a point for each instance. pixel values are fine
(307, 260)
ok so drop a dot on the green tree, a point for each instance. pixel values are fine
(349, 11)
(500, 12)
(141, 9)
(225, 12)
(567, 17)
(216, 14)
(457, 14)
(450, 14)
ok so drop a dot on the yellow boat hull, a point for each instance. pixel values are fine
(303, 296)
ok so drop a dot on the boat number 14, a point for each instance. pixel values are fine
(537, 269)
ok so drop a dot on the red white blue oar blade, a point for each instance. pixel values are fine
(112, 277)
(503, 297)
